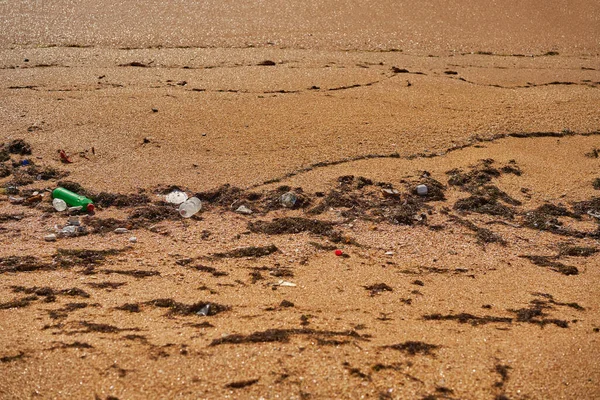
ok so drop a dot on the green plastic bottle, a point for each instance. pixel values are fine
(73, 199)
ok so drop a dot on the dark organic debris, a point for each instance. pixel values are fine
(241, 384)
(484, 205)
(577, 251)
(154, 213)
(11, 217)
(281, 335)
(20, 303)
(291, 225)
(200, 308)
(5, 168)
(74, 345)
(582, 207)
(378, 288)
(49, 292)
(596, 184)
(252, 251)
(101, 328)
(464, 318)
(550, 262)
(67, 258)
(595, 153)
(224, 195)
(106, 285)
(130, 307)
(19, 146)
(136, 273)
(544, 218)
(105, 199)
(7, 359)
(23, 264)
(286, 303)
(213, 271)
(535, 315)
(104, 225)
(483, 235)
(414, 347)
(135, 64)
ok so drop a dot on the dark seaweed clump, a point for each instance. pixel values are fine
(291, 225)
(550, 262)
(280, 335)
(199, 308)
(378, 288)
(414, 347)
(23, 264)
(251, 251)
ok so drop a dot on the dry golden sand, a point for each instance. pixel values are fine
(175, 93)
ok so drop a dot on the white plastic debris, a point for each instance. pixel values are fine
(593, 214)
(389, 253)
(121, 230)
(50, 238)
(286, 283)
(176, 197)
(422, 190)
(59, 205)
(288, 199)
(133, 239)
(190, 207)
(243, 210)
(390, 192)
(204, 310)
(74, 221)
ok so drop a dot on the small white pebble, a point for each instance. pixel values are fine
(133, 239)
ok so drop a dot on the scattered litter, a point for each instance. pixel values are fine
(204, 311)
(422, 190)
(133, 239)
(36, 198)
(74, 221)
(15, 200)
(59, 205)
(71, 230)
(288, 199)
(176, 197)
(389, 253)
(73, 199)
(121, 230)
(339, 253)
(593, 214)
(75, 209)
(50, 238)
(64, 157)
(190, 207)
(390, 192)
(243, 210)
(285, 283)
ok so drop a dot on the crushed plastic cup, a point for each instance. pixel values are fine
(288, 199)
(59, 205)
(176, 197)
(190, 207)
(204, 311)
(422, 190)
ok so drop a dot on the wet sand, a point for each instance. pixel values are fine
(486, 288)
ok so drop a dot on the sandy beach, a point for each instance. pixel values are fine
(485, 287)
